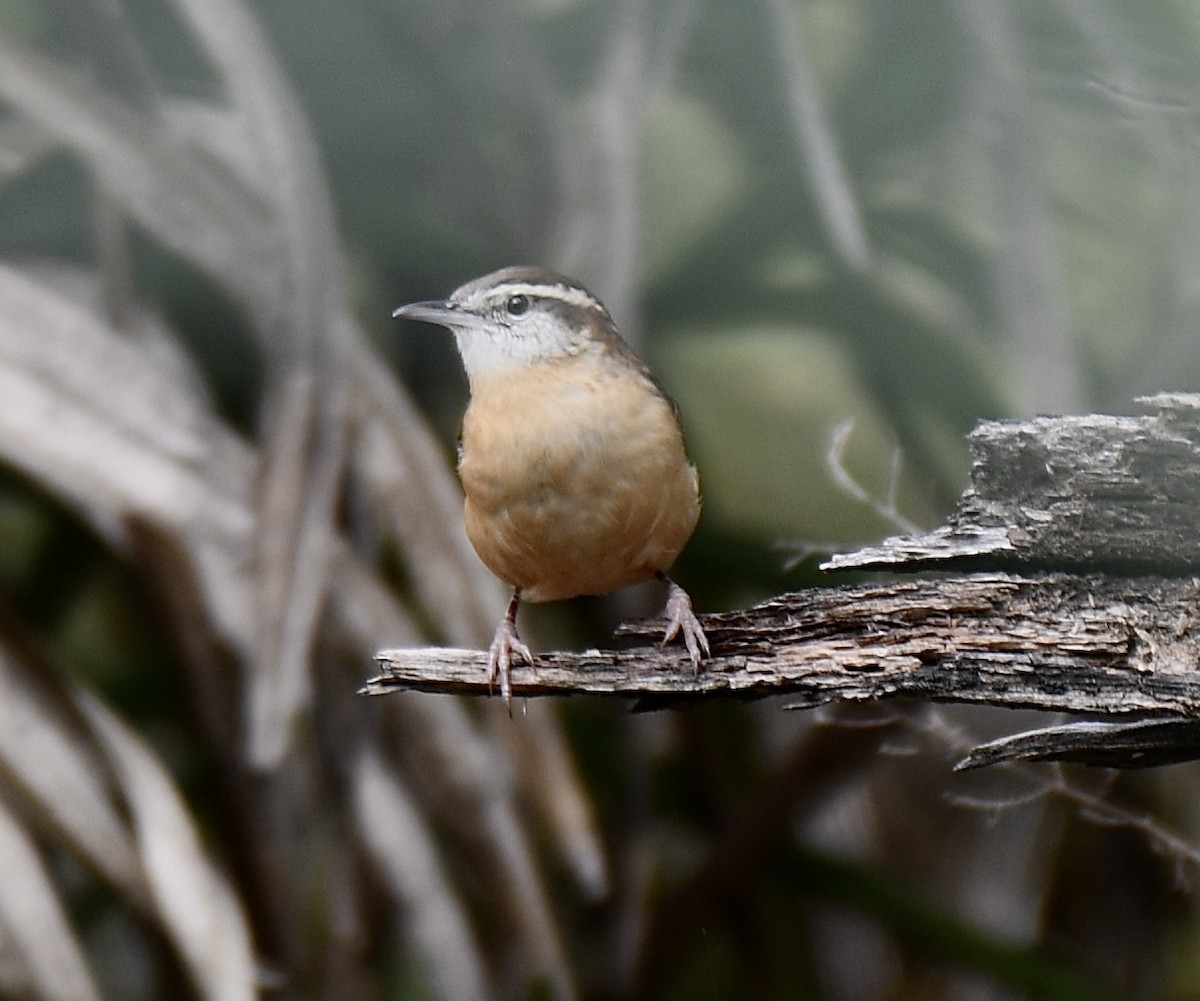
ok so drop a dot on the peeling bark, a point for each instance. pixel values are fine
(1082, 535)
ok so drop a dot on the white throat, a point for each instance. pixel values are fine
(495, 349)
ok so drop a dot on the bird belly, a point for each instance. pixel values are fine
(575, 485)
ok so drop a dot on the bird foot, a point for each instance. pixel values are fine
(506, 647)
(681, 620)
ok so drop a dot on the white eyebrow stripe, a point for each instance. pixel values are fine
(562, 293)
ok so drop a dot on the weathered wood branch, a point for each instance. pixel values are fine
(1052, 641)
(1093, 493)
(1083, 538)
(1141, 743)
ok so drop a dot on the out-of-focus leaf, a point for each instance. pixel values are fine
(93, 418)
(49, 338)
(32, 916)
(15, 980)
(836, 201)
(784, 391)
(193, 204)
(309, 296)
(199, 909)
(65, 435)
(222, 132)
(201, 208)
(47, 756)
(22, 144)
(685, 196)
(550, 774)
(395, 457)
(1030, 271)
(392, 827)
(301, 459)
(97, 417)
(468, 783)
(303, 440)
(472, 780)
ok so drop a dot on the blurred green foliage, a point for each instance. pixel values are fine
(1024, 177)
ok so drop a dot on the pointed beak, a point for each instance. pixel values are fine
(435, 311)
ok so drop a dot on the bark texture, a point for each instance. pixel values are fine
(1076, 588)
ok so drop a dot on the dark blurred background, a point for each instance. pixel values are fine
(840, 232)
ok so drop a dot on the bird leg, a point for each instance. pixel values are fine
(507, 645)
(682, 620)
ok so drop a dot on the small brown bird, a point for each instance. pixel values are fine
(571, 455)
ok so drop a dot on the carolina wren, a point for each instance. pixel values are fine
(571, 455)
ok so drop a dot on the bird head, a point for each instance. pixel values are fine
(517, 316)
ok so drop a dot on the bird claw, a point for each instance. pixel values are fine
(506, 646)
(681, 620)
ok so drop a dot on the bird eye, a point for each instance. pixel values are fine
(517, 305)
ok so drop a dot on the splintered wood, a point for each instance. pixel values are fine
(1049, 641)
(1072, 584)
